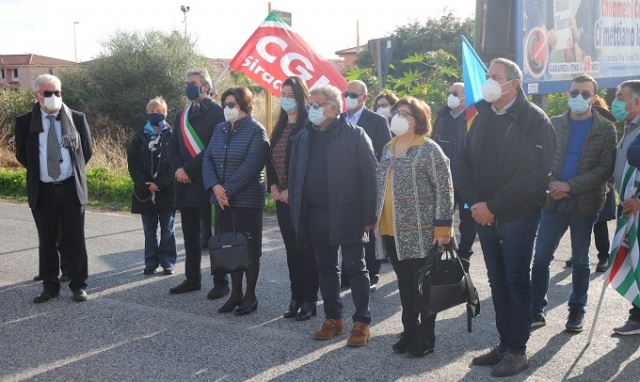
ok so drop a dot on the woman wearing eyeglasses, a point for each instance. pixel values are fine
(415, 212)
(303, 272)
(383, 103)
(232, 170)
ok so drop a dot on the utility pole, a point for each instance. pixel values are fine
(185, 9)
(75, 45)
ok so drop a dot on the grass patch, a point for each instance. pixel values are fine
(107, 189)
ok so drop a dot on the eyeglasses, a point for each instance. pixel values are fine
(231, 105)
(381, 105)
(403, 114)
(585, 94)
(48, 94)
(455, 94)
(314, 106)
(351, 95)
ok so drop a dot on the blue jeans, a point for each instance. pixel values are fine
(163, 252)
(553, 225)
(508, 248)
(329, 271)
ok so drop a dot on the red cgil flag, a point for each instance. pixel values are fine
(275, 52)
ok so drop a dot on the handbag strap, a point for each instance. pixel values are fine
(234, 221)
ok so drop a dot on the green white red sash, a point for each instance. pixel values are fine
(191, 140)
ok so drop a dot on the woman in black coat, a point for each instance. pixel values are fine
(303, 271)
(147, 158)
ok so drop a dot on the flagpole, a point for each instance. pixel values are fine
(215, 84)
(267, 95)
(595, 317)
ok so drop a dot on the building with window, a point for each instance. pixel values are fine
(19, 71)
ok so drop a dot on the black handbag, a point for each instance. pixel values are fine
(232, 251)
(442, 283)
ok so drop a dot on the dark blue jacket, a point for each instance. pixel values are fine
(376, 127)
(352, 183)
(458, 126)
(235, 159)
(203, 120)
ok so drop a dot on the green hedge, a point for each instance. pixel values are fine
(106, 189)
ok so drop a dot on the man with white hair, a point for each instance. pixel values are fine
(332, 194)
(53, 143)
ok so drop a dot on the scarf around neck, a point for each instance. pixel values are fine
(70, 136)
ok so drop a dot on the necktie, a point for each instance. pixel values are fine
(54, 156)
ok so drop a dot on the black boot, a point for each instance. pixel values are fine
(423, 344)
(294, 307)
(307, 309)
(406, 339)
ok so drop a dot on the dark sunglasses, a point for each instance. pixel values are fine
(48, 94)
(230, 104)
(454, 93)
(351, 95)
(585, 94)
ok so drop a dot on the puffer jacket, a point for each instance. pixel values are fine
(597, 160)
(422, 193)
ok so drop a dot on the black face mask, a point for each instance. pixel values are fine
(155, 118)
(192, 91)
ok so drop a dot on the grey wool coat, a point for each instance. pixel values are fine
(422, 194)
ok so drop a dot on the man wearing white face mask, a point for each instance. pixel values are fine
(449, 132)
(53, 142)
(332, 196)
(582, 164)
(377, 128)
(503, 175)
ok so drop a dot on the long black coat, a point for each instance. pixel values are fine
(352, 165)
(204, 121)
(27, 130)
(140, 164)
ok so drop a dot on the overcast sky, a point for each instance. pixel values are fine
(220, 26)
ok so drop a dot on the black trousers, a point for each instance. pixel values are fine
(601, 236)
(191, 231)
(59, 217)
(467, 228)
(405, 272)
(303, 271)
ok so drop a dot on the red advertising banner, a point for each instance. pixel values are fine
(274, 52)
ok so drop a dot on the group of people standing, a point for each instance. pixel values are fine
(352, 188)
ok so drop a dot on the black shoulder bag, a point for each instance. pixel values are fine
(442, 283)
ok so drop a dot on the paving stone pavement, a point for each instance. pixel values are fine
(132, 329)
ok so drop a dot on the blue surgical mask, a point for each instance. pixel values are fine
(579, 105)
(316, 116)
(618, 109)
(192, 92)
(155, 118)
(289, 105)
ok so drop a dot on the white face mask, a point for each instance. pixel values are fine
(399, 125)
(384, 111)
(453, 101)
(492, 90)
(53, 103)
(351, 103)
(231, 114)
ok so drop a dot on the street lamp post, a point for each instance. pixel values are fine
(75, 45)
(185, 9)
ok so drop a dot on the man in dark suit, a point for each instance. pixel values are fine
(377, 128)
(53, 142)
(193, 130)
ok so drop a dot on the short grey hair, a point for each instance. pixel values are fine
(331, 93)
(47, 79)
(633, 86)
(205, 78)
(511, 68)
(362, 85)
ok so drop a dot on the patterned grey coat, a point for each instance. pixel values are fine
(422, 197)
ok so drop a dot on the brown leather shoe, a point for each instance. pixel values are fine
(359, 335)
(330, 328)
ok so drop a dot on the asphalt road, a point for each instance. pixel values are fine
(132, 329)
